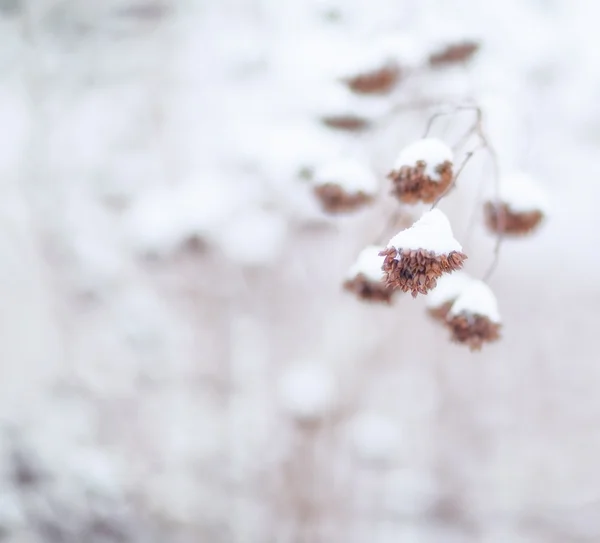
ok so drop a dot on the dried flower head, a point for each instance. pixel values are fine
(474, 318)
(422, 172)
(348, 122)
(366, 278)
(520, 208)
(453, 53)
(377, 81)
(448, 289)
(416, 257)
(344, 185)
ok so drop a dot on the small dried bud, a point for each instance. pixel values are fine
(453, 53)
(416, 257)
(366, 278)
(474, 318)
(422, 172)
(520, 207)
(344, 185)
(379, 81)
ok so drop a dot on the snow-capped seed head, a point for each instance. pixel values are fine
(308, 391)
(423, 171)
(416, 257)
(520, 206)
(375, 438)
(454, 53)
(477, 299)
(449, 287)
(474, 318)
(350, 174)
(432, 151)
(431, 232)
(365, 278)
(522, 193)
(344, 185)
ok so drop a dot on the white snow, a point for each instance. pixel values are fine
(255, 237)
(308, 391)
(351, 174)
(434, 152)
(374, 437)
(368, 263)
(448, 288)
(431, 232)
(477, 299)
(523, 194)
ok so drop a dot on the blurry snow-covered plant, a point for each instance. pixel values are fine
(417, 257)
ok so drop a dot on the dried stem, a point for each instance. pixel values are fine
(455, 178)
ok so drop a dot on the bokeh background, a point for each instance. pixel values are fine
(178, 359)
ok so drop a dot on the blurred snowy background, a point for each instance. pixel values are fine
(178, 360)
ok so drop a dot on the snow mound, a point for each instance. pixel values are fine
(350, 174)
(522, 194)
(368, 263)
(432, 151)
(448, 288)
(432, 232)
(477, 299)
(308, 391)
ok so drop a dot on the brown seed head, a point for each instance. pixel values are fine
(334, 199)
(453, 53)
(499, 218)
(473, 330)
(417, 271)
(368, 290)
(379, 81)
(412, 185)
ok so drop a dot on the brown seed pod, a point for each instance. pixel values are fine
(411, 184)
(334, 199)
(500, 219)
(378, 81)
(368, 290)
(454, 53)
(348, 122)
(473, 330)
(417, 271)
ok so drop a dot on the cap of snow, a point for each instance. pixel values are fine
(448, 288)
(431, 232)
(477, 299)
(349, 173)
(521, 193)
(432, 151)
(374, 437)
(368, 263)
(308, 391)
